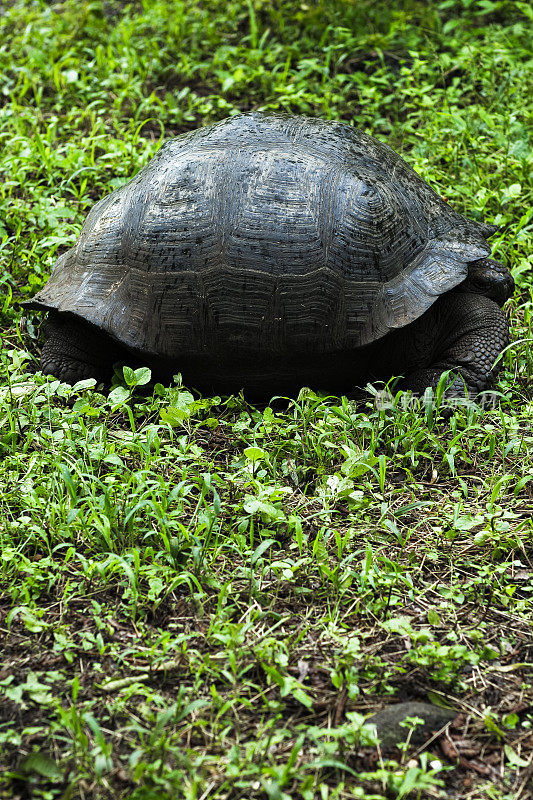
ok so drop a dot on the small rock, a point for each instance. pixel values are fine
(390, 732)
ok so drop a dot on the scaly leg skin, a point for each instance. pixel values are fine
(466, 333)
(74, 350)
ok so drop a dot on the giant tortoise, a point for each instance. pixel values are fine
(267, 252)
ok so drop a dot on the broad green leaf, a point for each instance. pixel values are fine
(255, 454)
(433, 618)
(143, 375)
(174, 416)
(41, 764)
(129, 376)
(513, 758)
(258, 552)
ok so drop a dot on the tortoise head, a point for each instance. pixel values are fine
(489, 278)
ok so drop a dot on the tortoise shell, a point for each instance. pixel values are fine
(264, 234)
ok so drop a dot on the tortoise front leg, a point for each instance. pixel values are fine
(463, 332)
(74, 350)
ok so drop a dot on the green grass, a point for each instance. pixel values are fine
(201, 599)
